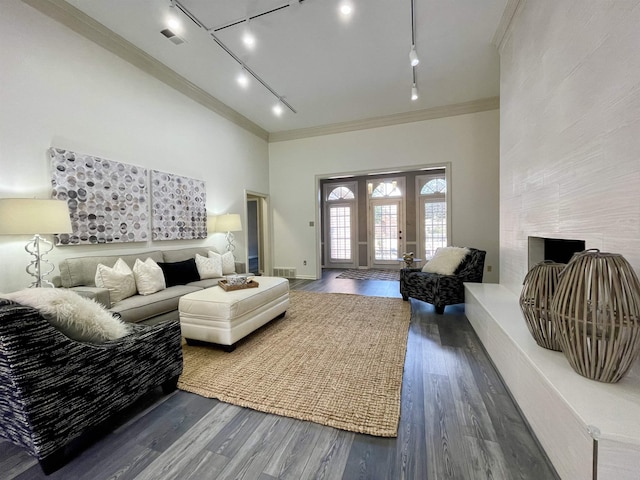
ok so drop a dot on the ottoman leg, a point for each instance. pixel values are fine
(228, 348)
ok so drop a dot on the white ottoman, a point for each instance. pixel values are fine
(215, 316)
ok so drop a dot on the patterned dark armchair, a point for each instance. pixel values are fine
(52, 388)
(442, 290)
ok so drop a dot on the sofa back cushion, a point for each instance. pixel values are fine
(78, 271)
(183, 254)
(180, 273)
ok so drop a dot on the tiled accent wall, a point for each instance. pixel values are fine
(570, 129)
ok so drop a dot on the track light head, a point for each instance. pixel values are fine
(414, 92)
(413, 56)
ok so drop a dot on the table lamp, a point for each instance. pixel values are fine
(31, 216)
(228, 223)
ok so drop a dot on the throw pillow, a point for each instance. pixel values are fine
(180, 273)
(446, 260)
(149, 277)
(208, 267)
(79, 318)
(227, 260)
(119, 280)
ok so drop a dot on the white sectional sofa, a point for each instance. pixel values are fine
(78, 274)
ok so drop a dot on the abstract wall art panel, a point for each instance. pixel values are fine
(178, 207)
(108, 201)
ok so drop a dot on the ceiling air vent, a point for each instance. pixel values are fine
(172, 36)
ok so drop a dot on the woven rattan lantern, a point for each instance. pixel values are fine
(535, 301)
(596, 310)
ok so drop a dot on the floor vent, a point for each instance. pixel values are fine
(284, 272)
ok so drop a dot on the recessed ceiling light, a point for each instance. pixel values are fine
(277, 109)
(248, 39)
(346, 9)
(173, 23)
(243, 79)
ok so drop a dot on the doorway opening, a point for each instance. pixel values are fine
(257, 242)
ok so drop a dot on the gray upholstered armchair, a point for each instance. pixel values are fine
(441, 290)
(53, 389)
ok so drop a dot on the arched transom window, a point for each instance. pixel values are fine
(434, 186)
(385, 189)
(340, 193)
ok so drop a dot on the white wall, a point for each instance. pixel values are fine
(470, 142)
(59, 89)
(570, 124)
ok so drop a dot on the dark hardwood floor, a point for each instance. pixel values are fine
(457, 422)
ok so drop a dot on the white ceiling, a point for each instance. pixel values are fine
(329, 70)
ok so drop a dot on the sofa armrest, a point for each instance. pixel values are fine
(100, 295)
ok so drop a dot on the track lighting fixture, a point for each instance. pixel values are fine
(414, 92)
(413, 56)
(279, 108)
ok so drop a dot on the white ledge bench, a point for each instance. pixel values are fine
(589, 430)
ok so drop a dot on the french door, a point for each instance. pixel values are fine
(386, 239)
(340, 225)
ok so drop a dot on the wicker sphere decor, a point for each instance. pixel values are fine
(535, 302)
(596, 311)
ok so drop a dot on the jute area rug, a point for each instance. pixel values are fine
(357, 274)
(334, 359)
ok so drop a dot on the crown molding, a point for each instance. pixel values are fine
(511, 10)
(492, 103)
(86, 26)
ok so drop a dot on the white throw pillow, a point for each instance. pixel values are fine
(446, 260)
(149, 277)
(119, 280)
(77, 317)
(228, 262)
(209, 267)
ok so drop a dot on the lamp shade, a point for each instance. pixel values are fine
(211, 223)
(28, 216)
(229, 222)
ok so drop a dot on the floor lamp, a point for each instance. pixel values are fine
(229, 223)
(30, 216)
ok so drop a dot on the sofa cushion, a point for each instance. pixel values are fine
(183, 254)
(208, 267)
(446, 260)
(81, 271)
(140, 308)
(226, 260)
(180, 273)
(119, 280)
(149, 277)
(77, 317)
(206, 283)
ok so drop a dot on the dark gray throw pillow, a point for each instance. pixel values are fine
(180, 273)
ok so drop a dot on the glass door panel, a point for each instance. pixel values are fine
(435, 226)
(340, 239)
(386, 231)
